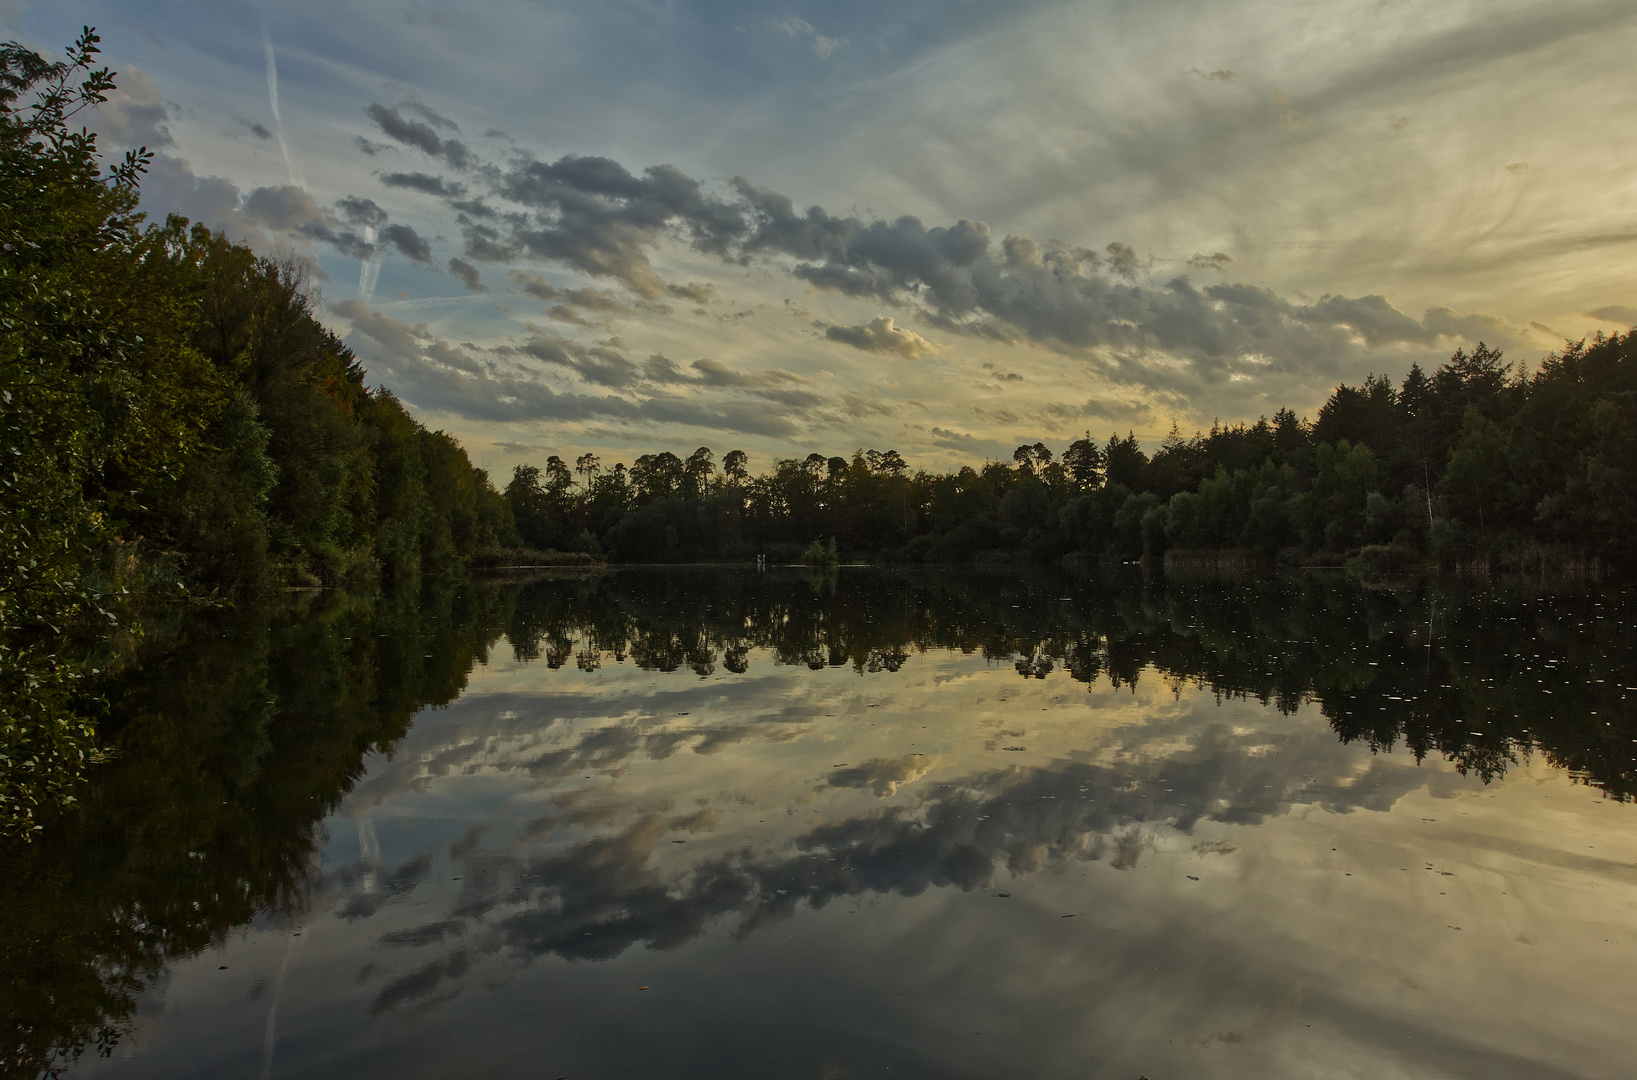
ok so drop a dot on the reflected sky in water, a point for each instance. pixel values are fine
(712, 823)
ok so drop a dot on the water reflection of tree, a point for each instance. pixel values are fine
(237, 739)
(1446, 671)
(231, 746)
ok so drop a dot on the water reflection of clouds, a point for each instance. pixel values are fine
(811, 855)
(663, 849)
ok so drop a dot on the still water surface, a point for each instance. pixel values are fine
(722, 824)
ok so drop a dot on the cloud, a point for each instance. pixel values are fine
(595, 898)
(435, 375)
(1614, 313)
(1122, 260)
(1219, 75)
(1470, 326)
(781, 387)
(468, 275)
(284, 207)
(504, 383)
(571, 301)
(423, 182)
(798, 28)
(563, 313)
(600, 365)
(258, 130)
(429, 114)
(134, 115)
(698, 292)
(879, 335)
(593, 215)
(970, 446)
(419, 134)
(360, 211)
(1112, 409)
(290, 212)
(884, 775)
(1239, 341)
(408, 242)
(170, 186)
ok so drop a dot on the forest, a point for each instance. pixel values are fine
(1475, 465)
(178, 426)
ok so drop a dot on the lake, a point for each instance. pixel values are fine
(720, 823)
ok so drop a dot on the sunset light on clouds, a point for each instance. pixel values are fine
(943, 227)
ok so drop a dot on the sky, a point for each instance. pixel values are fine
(940, 226)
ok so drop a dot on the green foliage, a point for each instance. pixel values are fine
(1332, 513)
(87, 343)
(821, 555)
(171, 411)
(216, 511)
(1472, 464)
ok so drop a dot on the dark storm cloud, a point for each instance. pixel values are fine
(1123, 260)
(424, 182)
(419, 134)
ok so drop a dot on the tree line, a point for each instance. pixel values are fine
(1477, 463)
(174, 420)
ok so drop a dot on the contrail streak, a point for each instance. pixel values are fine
(369, 272)
(270, 1036)
(273, 99)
